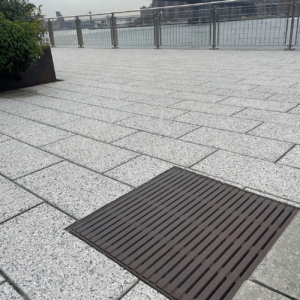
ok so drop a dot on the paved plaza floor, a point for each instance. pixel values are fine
(117, 119)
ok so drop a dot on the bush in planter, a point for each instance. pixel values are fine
(21, 36)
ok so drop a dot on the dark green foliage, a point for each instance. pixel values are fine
(21, 36)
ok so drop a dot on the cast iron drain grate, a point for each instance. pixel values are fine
(188, 236)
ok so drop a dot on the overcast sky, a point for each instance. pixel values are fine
(77, 7)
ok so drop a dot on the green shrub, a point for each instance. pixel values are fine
(19, 46)
(22, 36)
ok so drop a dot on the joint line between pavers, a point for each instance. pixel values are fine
(272, 289)
(36, 195)
(128, 290)
(285, 153)
(14, 286)
(254, 128)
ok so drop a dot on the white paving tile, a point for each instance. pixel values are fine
(139, 170)
(47, 262)
(7, 292)
(18, 159)
(174, 151)
(89, 153)
(74, 189)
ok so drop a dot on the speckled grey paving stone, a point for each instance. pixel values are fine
(178, 152)
(269, 116)
(252, 291)
(149, 99)
(160, 126)
(260, 104)
(139, 170)
(51, 117)
(242, 94)
(220, 122)
(36, 134)
(143, 292)
(48, 263)
(14, 200)
(295, 110)
(278, 131)
(8, 293)
(8, 120)
(210, 108)
(240, 143)
(198, 97)
(292, 158)
(92, 154)
(2, 279)
(16, 107)
(3, 137)
(284, 98)
(280, 268)
(261, 175)
(74, 189)
(98, 130)
(153, 111)
(18, 159)
(104, 114)
(56, 103)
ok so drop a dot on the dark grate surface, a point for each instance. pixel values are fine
(188, 236)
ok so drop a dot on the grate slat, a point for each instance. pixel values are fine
(186, 235)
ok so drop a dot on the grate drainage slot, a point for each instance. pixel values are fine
(187, 236)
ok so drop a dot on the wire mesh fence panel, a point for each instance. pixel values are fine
(135, 30)
(186, 27)
(64, 31)
(96, 31)
(253, 25)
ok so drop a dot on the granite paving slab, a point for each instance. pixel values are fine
(250, 291)
(47, 262)
(35, 134)
(278, 131)
(280, 267)
(217, 109)
(143, 292)
(153, 111)
(269, 116)
(260, 104)
(104, 114)
(160, 126)
(104, 102)
(292, 158)
(139, 170)
(261, 175)
(98, 130)
(220, 122)
(295, 110)
(18, 159)
(174, 151)
(92, 154)
(240, 143)
(199, 97)
(8, 293)
(51, 117)
(243, 94)
(14, 200)
(16, 107)
(74, 189)
(284, 98)
(3, 137)
(8, 120)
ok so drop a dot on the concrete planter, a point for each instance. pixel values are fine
(42, 72)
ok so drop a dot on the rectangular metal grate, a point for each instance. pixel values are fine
(187, 236)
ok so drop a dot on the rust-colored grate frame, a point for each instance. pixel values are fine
(187, 236)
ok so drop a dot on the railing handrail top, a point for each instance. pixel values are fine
(148, 8)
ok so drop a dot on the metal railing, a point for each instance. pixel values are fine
(241, 23)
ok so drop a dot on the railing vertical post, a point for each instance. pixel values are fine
(51, 35)
(214, 31)
(290, 46)
(113, 31)
(157, 29)
(79, 32)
